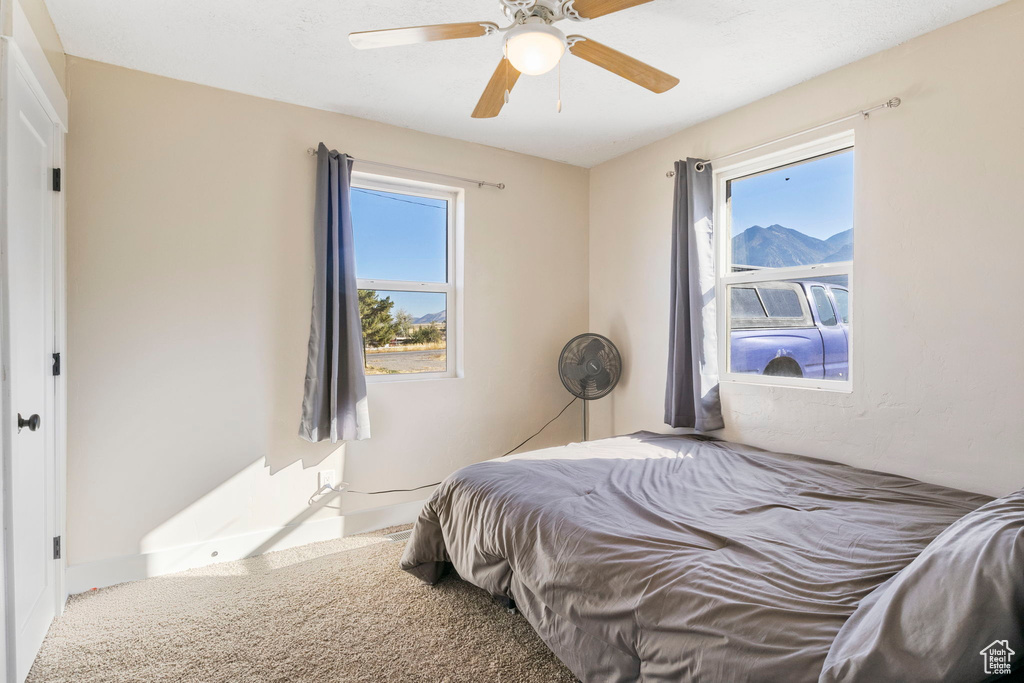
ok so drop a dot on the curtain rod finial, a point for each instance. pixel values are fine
(670, 174)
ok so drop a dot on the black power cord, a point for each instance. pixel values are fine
(544, 427)
(374, 493)
(425, 486)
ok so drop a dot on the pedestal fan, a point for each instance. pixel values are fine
(589, 367)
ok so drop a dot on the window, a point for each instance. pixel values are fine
(826, 315)
(842, 298)
(783, 302)
(746, 304)
(406, 271)
(784, 264)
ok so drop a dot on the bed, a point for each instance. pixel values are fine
(675, 558)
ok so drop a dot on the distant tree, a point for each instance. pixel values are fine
(375, 314)
(428, 334)
(403, 321)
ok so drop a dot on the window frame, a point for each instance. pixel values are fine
(452, 288)
(723, 245)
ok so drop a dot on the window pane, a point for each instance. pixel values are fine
(745, 303)
(400, 236)
(795, 215)
(787, 342)
(782, 301)
(824, 306)
(404, 332)
(842, 298)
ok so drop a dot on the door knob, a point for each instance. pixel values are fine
(32, 422)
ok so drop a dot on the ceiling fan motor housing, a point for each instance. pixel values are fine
(548, 10)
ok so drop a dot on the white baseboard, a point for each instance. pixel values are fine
(373, 519)
(102, 573)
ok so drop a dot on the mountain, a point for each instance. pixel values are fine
(778, 246)
(841, 246)
(439, 317)
(840, 239)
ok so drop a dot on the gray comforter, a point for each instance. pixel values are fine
(673, 558)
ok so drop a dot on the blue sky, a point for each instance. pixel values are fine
(402, 237)
(815, 197)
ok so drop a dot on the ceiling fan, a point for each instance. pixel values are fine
(533, 45)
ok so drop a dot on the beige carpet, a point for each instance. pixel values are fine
(334, 611)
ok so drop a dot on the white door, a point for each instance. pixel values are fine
(32, 570)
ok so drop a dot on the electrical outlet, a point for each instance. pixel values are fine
(325, 478)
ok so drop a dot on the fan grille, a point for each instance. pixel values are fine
(589, 366)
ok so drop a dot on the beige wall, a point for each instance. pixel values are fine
(939, 374)
(190, 269)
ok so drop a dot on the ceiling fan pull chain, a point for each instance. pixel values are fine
(505, 50)
(559, 107)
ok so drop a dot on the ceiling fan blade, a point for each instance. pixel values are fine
(493, 99)
(391, 37)
(622, 65)
(591, 9)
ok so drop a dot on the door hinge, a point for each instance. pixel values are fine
(56, 547)
(56, 180)
(56, 365)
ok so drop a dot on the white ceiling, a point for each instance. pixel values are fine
(725, 52)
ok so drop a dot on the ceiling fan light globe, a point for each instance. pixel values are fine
(535, 48)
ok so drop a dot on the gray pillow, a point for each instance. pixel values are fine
(931, 621)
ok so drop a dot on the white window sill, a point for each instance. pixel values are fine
(408, 377)
(832, 386)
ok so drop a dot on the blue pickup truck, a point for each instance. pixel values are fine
(790, 329)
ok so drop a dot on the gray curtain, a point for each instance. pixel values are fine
(691, 393)
(334, 405)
